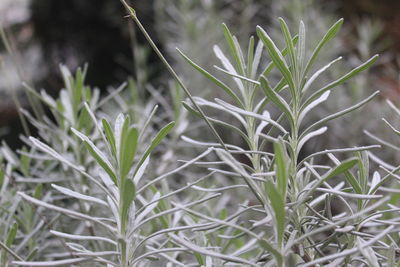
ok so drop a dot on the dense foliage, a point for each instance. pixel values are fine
(128, 180)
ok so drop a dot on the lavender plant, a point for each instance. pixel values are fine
(110, 195)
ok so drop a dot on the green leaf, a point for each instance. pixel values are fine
(269, 247)
(159, 137)
(110, 136)
(128, 195)
(128, 150)
(123, 133)
(271, 65)
(32, 254)
(277, 99)
(353, 182)
(342, 79)
(281, 168)
(190, 109)
(250, 57)
(97, 155)
(318, 73)
(38, 191)
(101, 160)
(289, 43)
(256, 61)
(77, 90)
(339, 113)
(212, 79)
(11, 235)
(118, 125)
(25, 162)
(331, 33)
(234, 49)
(301, 48)
(342, 167)
(363, 167)
(84, 120)
(276, 57)
(89, 96)
(278, 207)
(335, 171)
(2, 174)
(61, 119)
(199, 258)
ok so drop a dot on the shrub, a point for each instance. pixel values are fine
(105, 192)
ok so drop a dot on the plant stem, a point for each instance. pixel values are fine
(122, 234)
(7, 249)
(132, 14)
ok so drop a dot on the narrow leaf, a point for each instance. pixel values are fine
(128, 151)
(318, 73)
(313, 104)
(340, 113)
(310, 135)
(289, 43)
(77, 195)
(12, 234)
(212, 79)
(276, 57)
(343, 79)
(331, 33)
(69, 262)
(128, 194)
(234, 49)
(342, 167)
(278, 206)
(97, 155)
(227, 64)
(281, 168)
(269, 247)
(159, 137)
(301, 47)
(110, 136)
(277, 99)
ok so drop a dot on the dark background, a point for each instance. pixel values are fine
(75, 32)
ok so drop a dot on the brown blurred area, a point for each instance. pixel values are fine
(45, 33)
(386, 10)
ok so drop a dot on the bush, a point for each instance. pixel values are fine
(105, 191)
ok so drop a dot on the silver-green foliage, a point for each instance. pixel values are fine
(258, 202)
(294, 198)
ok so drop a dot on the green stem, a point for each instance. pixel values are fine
(132, 14)
(12, 253)
(122, 235)
(124, 260)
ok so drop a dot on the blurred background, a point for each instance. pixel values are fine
(38, 35)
